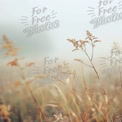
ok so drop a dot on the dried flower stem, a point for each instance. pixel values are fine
(90, 59)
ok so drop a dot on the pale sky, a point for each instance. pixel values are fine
(74, 21)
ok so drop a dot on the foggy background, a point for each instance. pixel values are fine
(74, 21)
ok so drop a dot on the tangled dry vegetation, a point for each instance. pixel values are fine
(60, 101)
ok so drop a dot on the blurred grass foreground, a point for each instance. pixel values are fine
(80, 97)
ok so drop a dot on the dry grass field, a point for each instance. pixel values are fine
(71, 100)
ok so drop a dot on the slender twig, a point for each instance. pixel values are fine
(91, 62)
(86, 64)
